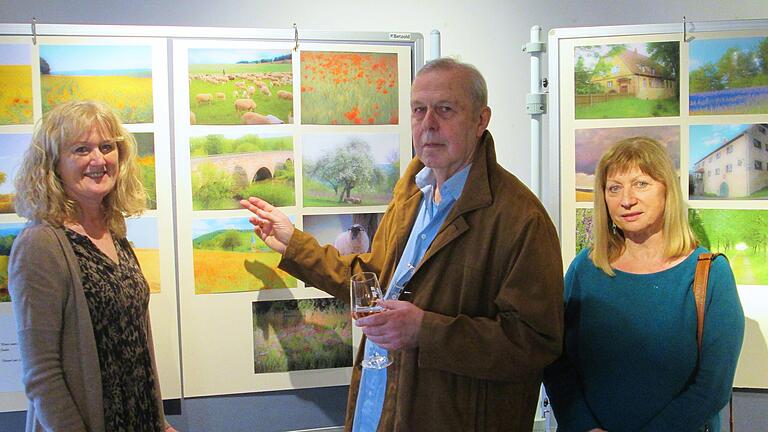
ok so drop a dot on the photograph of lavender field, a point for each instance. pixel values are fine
(293, 335)
(584, 234)
(729, 76)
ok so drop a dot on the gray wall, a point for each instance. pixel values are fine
(487, 33)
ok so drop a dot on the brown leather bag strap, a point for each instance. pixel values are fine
(700, 280)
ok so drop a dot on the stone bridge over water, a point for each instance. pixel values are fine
(257, 166)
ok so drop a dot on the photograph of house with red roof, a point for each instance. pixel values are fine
(627, 80)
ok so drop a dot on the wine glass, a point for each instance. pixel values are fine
(366, 293)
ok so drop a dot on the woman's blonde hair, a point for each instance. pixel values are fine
(40, 194)
(650, 157)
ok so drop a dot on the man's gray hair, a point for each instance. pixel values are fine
(478, 90)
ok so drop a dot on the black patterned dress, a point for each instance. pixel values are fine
(118, 299)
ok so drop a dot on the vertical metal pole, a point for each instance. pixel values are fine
(434, 45)
(535, 87)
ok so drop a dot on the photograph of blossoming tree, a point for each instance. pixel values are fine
(349, 88)
(293, 335)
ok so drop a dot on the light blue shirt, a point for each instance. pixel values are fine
(373, 383)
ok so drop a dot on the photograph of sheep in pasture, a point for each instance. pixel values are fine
(229, 257)
(627, 80)
(145, 143)
(12, 148)
(349, 88)
(227, 168)
(728, 161)
(240, 86)
(349, 233)
(296, 335)
(728, 76)
(143, 236)
(740, 235)
(592, 143)
(15, 84)
(8, 233)
(343, 170)
(118, 75)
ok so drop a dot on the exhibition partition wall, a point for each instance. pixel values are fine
(314, 122)
(700, 89)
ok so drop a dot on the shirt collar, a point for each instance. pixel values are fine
(425, 180)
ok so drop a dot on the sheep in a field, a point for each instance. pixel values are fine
(202, 98)
(353, 240)
(245, 105)
(282, 94)
(220, 96)
(252, 118)
(251, 90)
(265, 91)
(235, 94)
(192, 118)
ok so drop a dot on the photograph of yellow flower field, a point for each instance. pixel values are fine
(240, 86)
(15, 84)
(12, 149)
(350, 88)
(292, 335)
(143, 236)
(118, 75)
(8, 233)
(145, 143)
(228, 257)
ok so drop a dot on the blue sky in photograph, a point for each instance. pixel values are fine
(12, 148)
(703, 51)
(705, 138)
(11, 228)
(230, 56)
(208, 225)
(382, 145)
(142, 231)
(15, 55)
(67, 58)
(325, 228)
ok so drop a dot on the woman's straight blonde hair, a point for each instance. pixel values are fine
(40, 195)
(650, 157)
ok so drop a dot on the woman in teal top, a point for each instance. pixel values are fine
(630, 357)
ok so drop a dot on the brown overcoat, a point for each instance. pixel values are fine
(491, 285)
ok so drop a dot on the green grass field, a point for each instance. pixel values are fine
(218, 271)
(239, 68)
(319, 195)
(629, 107)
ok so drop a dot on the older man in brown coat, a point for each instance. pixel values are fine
(483, 315)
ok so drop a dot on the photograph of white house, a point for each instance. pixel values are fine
(729, 161)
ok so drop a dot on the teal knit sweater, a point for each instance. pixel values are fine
(629, 360)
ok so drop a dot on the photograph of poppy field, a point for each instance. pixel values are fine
(728, 76)
(143, 237)
(349, 88)
(145, 143)
(12, 148)
(8, 233)
(740, 235)
(240, 86)
(349, 170)
(228, 257)
(118, 75)
(295, 335)
(15, 84)
(227, 168)
(627, 80)
(591, 144)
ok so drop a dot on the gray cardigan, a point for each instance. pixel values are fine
(59, 359)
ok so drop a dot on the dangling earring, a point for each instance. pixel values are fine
(613, 229)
